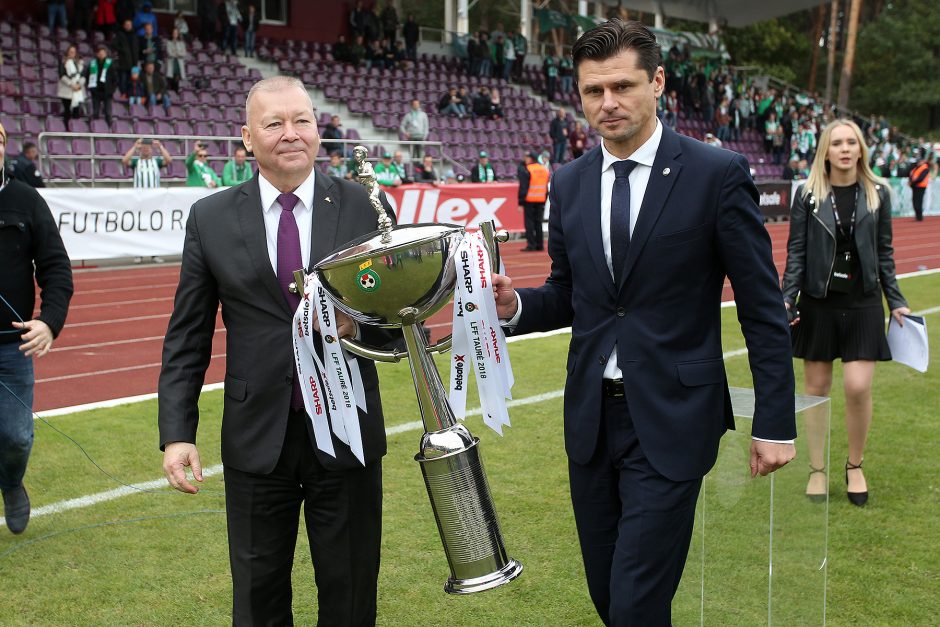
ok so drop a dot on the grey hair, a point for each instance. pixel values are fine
(275, 83)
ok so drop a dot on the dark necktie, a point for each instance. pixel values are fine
(620, 217)
(288, 260)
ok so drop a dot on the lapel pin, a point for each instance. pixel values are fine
(666, 171)
(327, 199)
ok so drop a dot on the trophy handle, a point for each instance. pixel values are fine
(395, 356)
(369, 352)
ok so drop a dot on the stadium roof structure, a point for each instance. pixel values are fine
(731, 12)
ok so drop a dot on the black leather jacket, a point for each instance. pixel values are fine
(811, 250)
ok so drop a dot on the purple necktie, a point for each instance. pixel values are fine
(288, 260)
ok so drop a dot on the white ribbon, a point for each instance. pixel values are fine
(315, 395)
(339, 378)
(478, 342)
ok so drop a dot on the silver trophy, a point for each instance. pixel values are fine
(397, 278)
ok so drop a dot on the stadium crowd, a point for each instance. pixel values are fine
(134, 65)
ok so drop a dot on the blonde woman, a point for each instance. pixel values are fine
(71, 86)
(839, 262)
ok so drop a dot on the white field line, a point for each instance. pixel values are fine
(100, 497)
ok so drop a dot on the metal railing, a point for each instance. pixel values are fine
(185, 144)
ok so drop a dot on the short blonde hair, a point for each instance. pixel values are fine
(275, 83)
(817, 183)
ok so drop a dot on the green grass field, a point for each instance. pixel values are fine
(160, 557)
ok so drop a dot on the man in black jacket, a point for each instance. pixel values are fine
(558, 131)
(101, 80)
(25, 168)
(30, 247)
(127, 50)
(410, 31)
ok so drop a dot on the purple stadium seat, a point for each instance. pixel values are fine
(173, 146)
(83, 169)
(139, 112)
(123, 127)
(183, 127)
(55, 125)
(10, 123)
(99, 126)
(162, 127)
(102, 146)
(143, 127)
(9, 104)
(203, 128)
(110, 169)
(177, 169)
(58, 147)
(83, 146)
(31, 126)
(61, 169)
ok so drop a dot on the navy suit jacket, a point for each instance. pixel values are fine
(698, 223)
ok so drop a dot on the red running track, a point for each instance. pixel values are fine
(111, 345)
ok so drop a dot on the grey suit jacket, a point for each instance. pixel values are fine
(225, 261)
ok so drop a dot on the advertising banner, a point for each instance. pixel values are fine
(466, 204)
(775, 199)
(123, 222)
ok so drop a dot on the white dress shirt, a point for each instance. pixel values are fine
(303, 213)
(639, 179)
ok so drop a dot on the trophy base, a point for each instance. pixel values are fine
(487, 582)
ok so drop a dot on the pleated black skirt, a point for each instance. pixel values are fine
(827, 333)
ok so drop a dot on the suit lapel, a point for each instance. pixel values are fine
(326, 202)
(251, 220)
(590, 210)
(663, 176)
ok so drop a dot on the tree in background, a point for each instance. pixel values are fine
(898, 67)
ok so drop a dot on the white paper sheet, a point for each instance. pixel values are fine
(909, 343)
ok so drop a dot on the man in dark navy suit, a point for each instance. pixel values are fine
(643, 231)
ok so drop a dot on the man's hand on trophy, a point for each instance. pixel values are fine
(345, 326)
(506, 303)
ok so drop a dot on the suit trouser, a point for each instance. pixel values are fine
(917, 197)
(532, 213)
(634, 525)
(343, 514)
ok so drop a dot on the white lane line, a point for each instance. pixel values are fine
(95, 323)
(120, 302)
(112, 290)
(82, 375)
(133, 340)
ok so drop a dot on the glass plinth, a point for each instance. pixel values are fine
(758, 552)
